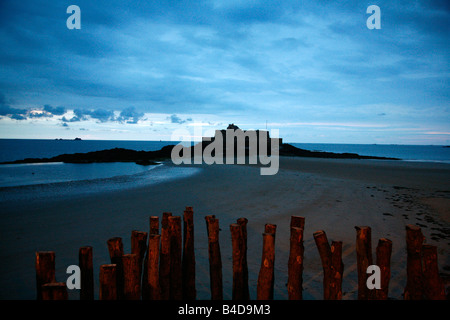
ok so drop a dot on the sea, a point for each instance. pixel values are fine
(40, 181)
(107, 176)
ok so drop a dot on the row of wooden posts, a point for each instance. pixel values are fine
(163, 267)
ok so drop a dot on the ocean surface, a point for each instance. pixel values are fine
(106, 176)
(424, 153)
(48, 180)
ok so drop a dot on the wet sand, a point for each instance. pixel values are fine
(333, 195)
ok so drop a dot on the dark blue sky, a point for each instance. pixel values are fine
(141, 69)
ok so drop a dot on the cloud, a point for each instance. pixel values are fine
(130, 115)
(57, 111)
(100, 114)
(38, 114)
(176, 119)
(18, 117)
(6, 110)
(73, 119)
(13, 113)
(22, 114)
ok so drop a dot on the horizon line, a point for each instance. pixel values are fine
(342, 143)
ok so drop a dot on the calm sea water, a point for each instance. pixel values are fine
(18, 149)
(22, 180)
(405, 152)
(133, 174)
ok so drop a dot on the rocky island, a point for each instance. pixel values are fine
(152, 157)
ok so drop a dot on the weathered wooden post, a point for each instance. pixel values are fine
(237, 241)
(243, 223)
(152, 285)
(414, 281)
(383, 253)
(433, 286)
(337, 270)
(363, 259)
(87, 273)
(208, 219)
(188, 263)
(115, 248)
(132, 286)
(54, 291)
(139, 247)
(164, 258)
(154, 225)
(176, 287)
(45, 270)
(297, 222)
(270, 228)
(266, 273)
(215, 260)
(295, 264)
(108, 282)
(333, 268)
(154, 229)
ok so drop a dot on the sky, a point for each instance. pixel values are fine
(140, 70)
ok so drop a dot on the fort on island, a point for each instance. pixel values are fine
(238, 142)
(232, 146)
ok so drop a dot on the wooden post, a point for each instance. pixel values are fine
(164, 258)
(295, 264)
(383, 252)
(215, 260)
(115, 248)
(332, 265)
(363, 259)
(433, 286)
(324, 248)
(270, 228)
(154, 225)
(337, 270)
(414, 281)
(188, 263)
(131, 287)
(237, 240)
(154, 229)
(266, 273)
(152, 285)
(139, 247)
(208, 219)
(87, 273)
(45, 270)
(243, 223)
(54, 291)
(297, 222)
(108, 282)
(176, 287)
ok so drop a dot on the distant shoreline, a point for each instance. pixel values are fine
(152, 157)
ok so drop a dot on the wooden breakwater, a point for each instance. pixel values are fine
(161, 264)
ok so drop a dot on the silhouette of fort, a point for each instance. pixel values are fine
(251, 139)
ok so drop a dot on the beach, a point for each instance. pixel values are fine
(333, 195)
